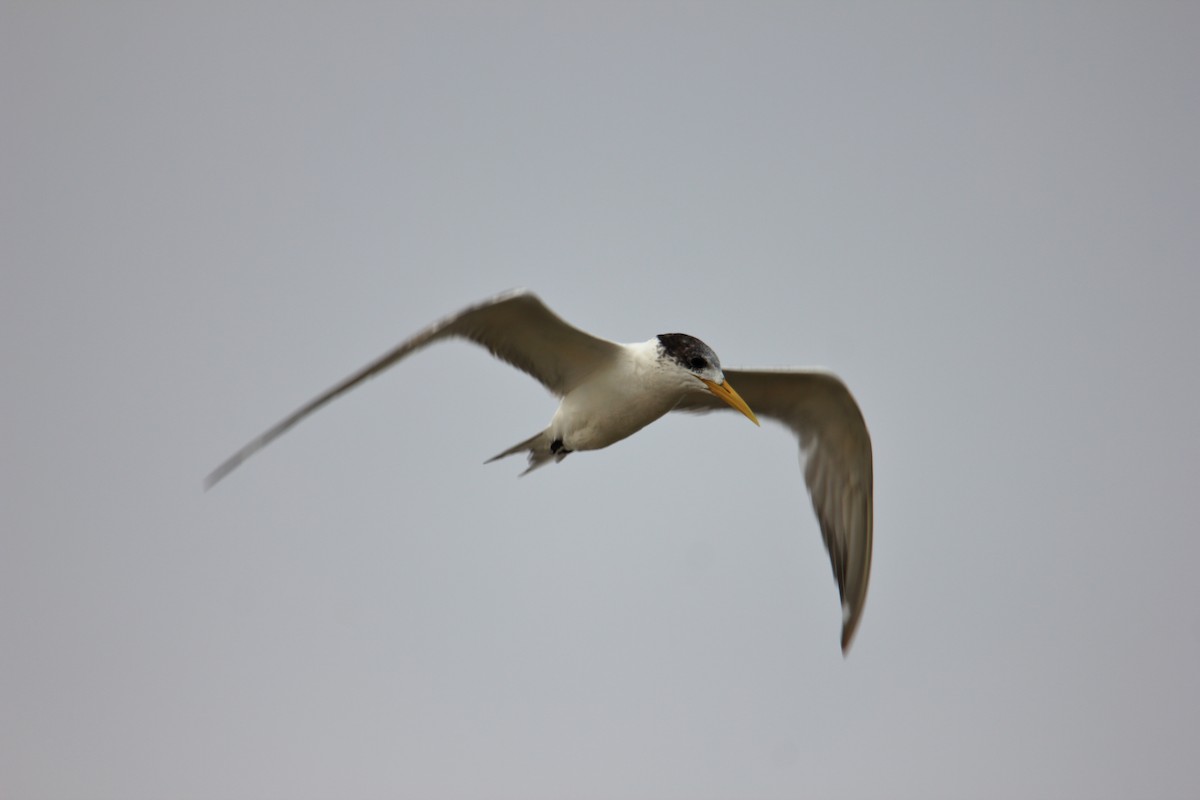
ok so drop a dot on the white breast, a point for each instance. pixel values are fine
(620, 400)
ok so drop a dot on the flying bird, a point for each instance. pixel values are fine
(610, 391)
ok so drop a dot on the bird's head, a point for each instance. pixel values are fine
(698, 360)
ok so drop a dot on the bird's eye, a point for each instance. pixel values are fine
(698, 363)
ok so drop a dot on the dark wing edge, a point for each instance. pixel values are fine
(516, 327)
(835, 446)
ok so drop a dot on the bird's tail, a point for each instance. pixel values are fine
(540, 451)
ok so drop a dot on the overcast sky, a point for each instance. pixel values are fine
(984, 217)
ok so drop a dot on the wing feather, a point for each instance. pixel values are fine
(836, 448)
(516, 327)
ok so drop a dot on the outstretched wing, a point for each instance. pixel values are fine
(836, 448)
(516, 327)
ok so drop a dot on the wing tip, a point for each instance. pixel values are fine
(850, 620)
(214, 477)
(847, 640)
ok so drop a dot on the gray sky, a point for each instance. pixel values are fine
(984, 218)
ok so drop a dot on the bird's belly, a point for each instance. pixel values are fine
(596, 416)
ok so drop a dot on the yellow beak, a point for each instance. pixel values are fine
(726, 393)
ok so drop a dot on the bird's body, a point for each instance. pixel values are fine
(610, 391)
(617, 402)
(633, 386)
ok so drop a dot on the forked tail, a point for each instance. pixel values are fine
(541, 451)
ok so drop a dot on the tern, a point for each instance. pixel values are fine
(609, 391)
